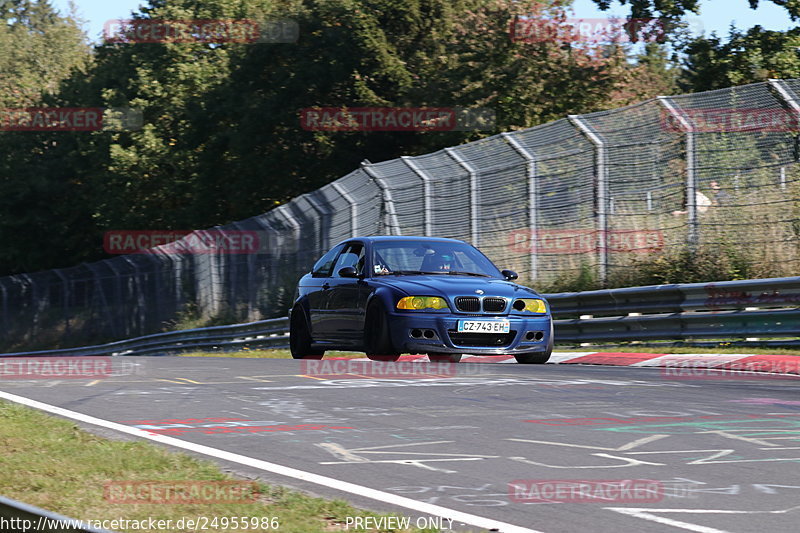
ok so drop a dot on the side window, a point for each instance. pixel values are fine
(351, 256)
(324, 267)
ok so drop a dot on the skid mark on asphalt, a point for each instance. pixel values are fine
(309, 477)
(355, 455)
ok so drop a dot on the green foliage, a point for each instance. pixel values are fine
(222, 139)
(675, 9)
(748, 57)
(722, 263)
(584, 280)
(38, 49)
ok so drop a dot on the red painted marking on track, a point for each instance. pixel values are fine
(775, 364)
(612, 358)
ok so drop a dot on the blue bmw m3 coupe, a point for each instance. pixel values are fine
(441, 297)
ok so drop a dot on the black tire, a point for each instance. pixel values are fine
(377, 339)
(300, 338)
(444, 357)
(537, 358)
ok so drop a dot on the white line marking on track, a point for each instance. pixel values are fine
(385, 497)
(647, 514)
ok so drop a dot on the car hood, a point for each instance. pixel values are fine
(449, 285)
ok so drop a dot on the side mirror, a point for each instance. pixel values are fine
(348, 272)
(510, 275)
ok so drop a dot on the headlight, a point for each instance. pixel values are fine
(531, 305)
(417, 303)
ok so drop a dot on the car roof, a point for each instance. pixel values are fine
(389, 238)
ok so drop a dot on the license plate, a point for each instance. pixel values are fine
(484, 326)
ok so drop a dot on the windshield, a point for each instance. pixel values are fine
(418, 257)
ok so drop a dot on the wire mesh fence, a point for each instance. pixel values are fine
(604, 196)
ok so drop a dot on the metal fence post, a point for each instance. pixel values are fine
(323, 215)
(473, 193)
(786, 97)
(139, 299)
(65, 303)
(601, 189)
(35, 305)
(4, 291)
(691, 172)
(296, 230)
(427, 192)
(353, 207)
(249, 283)
(533, 198)
(108, 312)
(391, 221)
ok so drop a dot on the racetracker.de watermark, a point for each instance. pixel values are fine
(575, 241)
(71, 119)
(589, 30)
(730, 120)
(397, 119)
(597, 30)
(586, 491)
(213, 31)
(75, 367)
(180, 492)
(359, 369)
(746, 370)
(211, 241)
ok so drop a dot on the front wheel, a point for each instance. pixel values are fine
(377, 338)
(444, 357)
(300, 338)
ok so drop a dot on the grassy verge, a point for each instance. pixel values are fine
(284, 354)
(51, 463)
(266, 354)
(682, 349)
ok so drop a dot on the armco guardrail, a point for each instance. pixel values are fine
(589, 193)
(18, 516)
(723, 310)
(263, 334)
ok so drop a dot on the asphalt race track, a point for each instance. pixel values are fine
(718, 453)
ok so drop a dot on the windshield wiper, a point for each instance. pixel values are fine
(457, 273)
(415, 272)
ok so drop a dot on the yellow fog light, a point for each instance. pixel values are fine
(417, 303)
(530, 305)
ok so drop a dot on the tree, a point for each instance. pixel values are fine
(675, 9)
(38, 196)
(222, 139)
(748, 57)
(38, 49)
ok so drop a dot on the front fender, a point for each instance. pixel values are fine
(388, 296)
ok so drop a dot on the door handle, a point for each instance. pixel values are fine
(325, 286)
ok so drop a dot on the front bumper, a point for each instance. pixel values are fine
(527, 335)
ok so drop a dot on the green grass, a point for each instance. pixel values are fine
(51, 463)
(284, 354)
(682, 349)
(266, 354)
